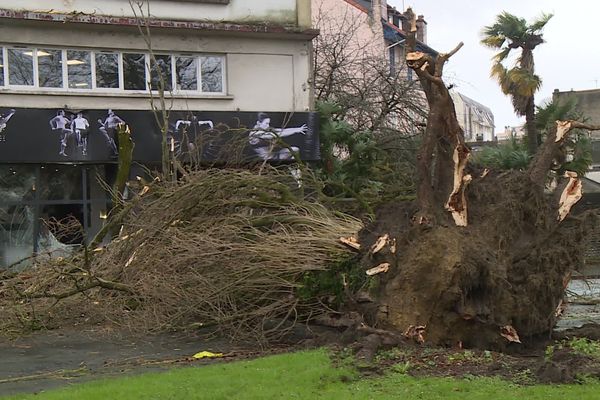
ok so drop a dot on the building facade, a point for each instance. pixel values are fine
(72, 70)
(476, 120)
(369, 28)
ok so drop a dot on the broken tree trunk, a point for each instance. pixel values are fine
(443, 155)
(481, 258)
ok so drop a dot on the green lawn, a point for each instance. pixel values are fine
(303, 375)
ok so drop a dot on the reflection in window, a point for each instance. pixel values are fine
(20, 67)
(16, 234)
(162, 65)
(186, 73)
(50, 68)
(61, 227)
(44, 210)
(79, 69)
(134, 71)
(107, 70)
(60, 182)
(212, 74)
(17, 183)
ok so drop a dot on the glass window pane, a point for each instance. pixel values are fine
(107, 70)
(17, 183)
(187, 73)
(20, 67)
(134, 71)
(212, 74)
(50, 68)
(79, 69)
(16, 235)
(1, 67)
(60, 182)
(61, 229)
(162, 67)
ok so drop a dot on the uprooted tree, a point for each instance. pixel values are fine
(482, 258)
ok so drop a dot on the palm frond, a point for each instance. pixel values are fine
(539, 23)
(501, 56)
(524, 83)
(493, 41)
(552, 111)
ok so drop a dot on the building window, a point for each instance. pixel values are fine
(212, 74)
(107, 70)
(20, 67)
(134, 71)
(162, 66)
(85, 70)
(34, 197)
(392, 52)
(79, 66)
(186, 68)
(50, 72)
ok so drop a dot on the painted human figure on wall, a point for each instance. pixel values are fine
(61, 124)
(108, 129)
(265, 140)
(182, 140)
(81, 129)
(5, 118)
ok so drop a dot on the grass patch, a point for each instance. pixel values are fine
(585, 346)
(303, 375)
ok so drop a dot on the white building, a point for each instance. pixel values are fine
(476, 120)
(70, 70)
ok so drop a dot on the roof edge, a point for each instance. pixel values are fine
(224, 27)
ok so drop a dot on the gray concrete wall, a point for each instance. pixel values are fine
(587, 101)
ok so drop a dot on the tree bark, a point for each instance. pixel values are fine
(532, 134)
(443, 135)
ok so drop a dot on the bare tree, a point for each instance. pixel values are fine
(159, 103)
(356, 74)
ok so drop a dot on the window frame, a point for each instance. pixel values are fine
(223, 73)
(34, 75)
(198, 71)
(4, 47)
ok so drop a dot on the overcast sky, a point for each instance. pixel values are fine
(569, 59)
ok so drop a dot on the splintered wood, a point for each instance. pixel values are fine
(351, 242)
(457, 202)
(509, 333)
(417, 333)
(570, 196)
(380, 243)
(383, 267)
(562, 128)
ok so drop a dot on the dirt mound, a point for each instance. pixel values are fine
(495, 282)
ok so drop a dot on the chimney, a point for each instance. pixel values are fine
(384, 9)
(405, 19)
(421, 29)
(379, 10)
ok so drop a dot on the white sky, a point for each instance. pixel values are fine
(569, 59)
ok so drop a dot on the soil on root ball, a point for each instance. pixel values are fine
(489, 285)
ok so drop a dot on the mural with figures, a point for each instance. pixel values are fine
(63, 135)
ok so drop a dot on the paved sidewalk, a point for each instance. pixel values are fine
(57, 358)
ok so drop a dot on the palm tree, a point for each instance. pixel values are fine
(520, 82)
